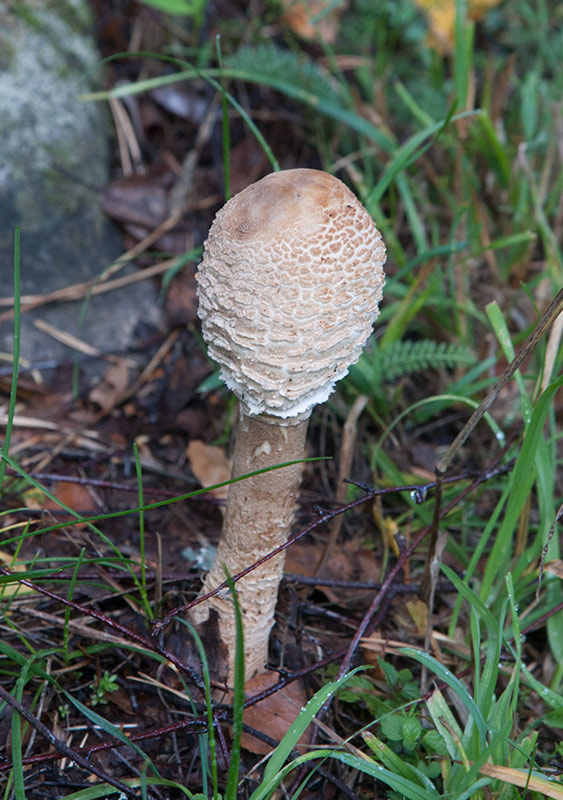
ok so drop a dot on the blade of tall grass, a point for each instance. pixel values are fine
(463, 52)
(15, 358)
(500, 330)
(367, 766)
(410, 151)
(485, 680)
(522, 480)
(225, 127)
(148, 507)
(395, 763)
(455, 684)
(104, 791)
(451, 398)
(209, 707)
(16, 730)
(231, 789)
(279, 756)
(140, 495)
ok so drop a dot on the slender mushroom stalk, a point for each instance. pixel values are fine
(289, 288)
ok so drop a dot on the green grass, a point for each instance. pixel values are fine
(457, 160)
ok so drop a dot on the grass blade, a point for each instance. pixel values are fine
(15, 357)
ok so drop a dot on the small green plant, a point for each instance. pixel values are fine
(103, 686)
(379, 365)
(402, 730)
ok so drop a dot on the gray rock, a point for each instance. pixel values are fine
(53, 164)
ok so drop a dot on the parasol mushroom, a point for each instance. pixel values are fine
(289, 288)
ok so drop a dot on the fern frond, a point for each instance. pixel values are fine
(269, 64)
(404, 357)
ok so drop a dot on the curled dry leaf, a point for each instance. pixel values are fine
(419, 613)
(210, 465)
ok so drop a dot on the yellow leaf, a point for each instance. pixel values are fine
(441, 19)
(525, 780)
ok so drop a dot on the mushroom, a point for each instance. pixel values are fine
(289, 288)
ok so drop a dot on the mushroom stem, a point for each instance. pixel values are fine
(257, 520)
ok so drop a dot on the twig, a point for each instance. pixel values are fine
(147, 644)
(420, 493)
(344, 467)
(61, 747)
(77, 344)
(554, 309)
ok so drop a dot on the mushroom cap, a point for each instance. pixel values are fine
(289, 288)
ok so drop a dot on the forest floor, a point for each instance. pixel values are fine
(451, 134)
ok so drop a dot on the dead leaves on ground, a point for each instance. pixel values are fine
(441, 19)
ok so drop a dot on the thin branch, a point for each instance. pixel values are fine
(61, 747)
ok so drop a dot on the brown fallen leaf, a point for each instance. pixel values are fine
(347, 562)
(111, 388)
(274, 715)
(210, 465)
(312, 19)
(70, 494)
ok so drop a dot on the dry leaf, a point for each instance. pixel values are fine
(6, 560)
(74, 495)
(112, 386)
(275, 714)
(441, 19)
(9, 589)
(555, 567)
(312, 19)
(523, 779)
(210, 465)
(419, 613)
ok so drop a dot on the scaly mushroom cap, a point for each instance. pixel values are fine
(289, 288)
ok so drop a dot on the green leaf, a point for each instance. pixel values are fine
(454, 683)
(446, 724)
(395, 763)
(185, 7)
(392, 727)
(434, 743)
(412, 730)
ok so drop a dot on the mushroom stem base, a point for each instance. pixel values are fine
(257, 520)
